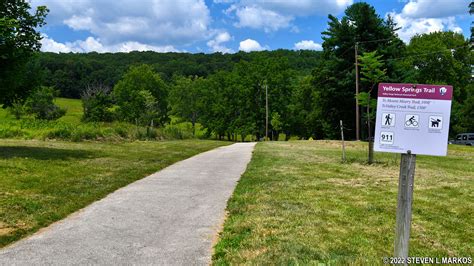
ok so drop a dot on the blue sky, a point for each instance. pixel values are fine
(224, 25)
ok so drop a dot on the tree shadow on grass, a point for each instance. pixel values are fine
(43, 153)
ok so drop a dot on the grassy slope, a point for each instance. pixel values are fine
(42, 182)
(73, 111)
(73, 108)
(70, 127)
(297, 203)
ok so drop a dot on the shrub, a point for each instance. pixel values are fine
(97, 104)
(41, 104)
(17, 109)
(121, 131)
(175, 132)
(63, 132)
(12, 132)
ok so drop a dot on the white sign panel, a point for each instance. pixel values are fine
(413, 117)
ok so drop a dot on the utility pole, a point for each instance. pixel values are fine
(357, 93)
(266, 111)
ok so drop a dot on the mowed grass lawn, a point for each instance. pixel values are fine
(298, 204)
(44, 181)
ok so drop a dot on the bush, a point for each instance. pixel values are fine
(12, 132)
(121, 131)
(175, 132)
(87, 133)
(17, 109)
(97, 104)
(62, 132)
(41, 104)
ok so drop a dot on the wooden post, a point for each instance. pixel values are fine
(369, 130)
(343, 146)
(405, 200)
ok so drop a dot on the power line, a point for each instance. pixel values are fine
(418, 54)
(378, 40)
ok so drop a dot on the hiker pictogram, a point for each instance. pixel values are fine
(388, 119)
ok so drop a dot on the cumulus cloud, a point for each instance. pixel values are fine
(155, 22)
(412, 26)
(259, 18)
(250, 45)
(275, 15)
(425, 16)
(435, 8)
(301, 7)
(308, 45)
(217, 43)
(92, 44)
(49, 45)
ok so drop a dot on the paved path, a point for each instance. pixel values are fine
(171, 217)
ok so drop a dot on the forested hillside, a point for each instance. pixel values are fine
(307, 92)
(71, 73)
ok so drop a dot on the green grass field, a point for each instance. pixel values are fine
(73, 111)
(73, 108)
(298, 204)
(43, 181)
(71, 128)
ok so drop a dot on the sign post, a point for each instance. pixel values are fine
(411, 119)
(405, 200)
(343, 145)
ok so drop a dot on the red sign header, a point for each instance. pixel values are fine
(417, 91)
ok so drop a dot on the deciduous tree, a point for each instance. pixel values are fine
(19, 39)
(372, 73)
(132, 96)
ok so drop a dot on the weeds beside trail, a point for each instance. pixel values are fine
(71, 128)
(298, 204)
(44, 181)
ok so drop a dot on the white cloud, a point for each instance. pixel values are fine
(79, 22)
(275, 15)
(425, 16)
(259, 18)
(155, 22)
(216, 44)
(412, 26)
(92, 44)
(250, 45)
(308, 45)
(49, 45)
(301, 7)
(435, 8)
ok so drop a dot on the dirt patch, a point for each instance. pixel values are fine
(249, 254)
(5, 229)
(217, 231)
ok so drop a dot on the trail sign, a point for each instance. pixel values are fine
(413, 117)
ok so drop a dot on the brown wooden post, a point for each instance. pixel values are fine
(405, 200)
(343, 146)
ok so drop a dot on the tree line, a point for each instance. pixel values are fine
(71, 73)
